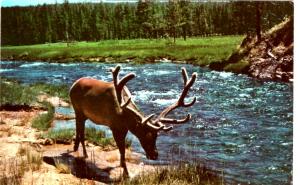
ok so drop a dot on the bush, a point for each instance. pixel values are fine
(44, 120)
(240, 67)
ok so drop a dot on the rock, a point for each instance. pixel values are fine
(23, 55)
(59, 116)
(47, 141)
(55, 101)
(271, 58)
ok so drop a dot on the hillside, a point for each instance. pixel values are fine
(270, 59)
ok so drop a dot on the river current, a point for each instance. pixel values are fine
(240, 125)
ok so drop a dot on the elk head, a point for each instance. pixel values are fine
(147, 127)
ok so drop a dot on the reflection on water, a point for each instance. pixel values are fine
(239, 125)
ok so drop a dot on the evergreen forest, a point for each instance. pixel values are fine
(69, 22)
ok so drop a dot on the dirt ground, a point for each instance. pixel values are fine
(20, 150)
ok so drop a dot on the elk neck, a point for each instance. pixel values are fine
(132, 120)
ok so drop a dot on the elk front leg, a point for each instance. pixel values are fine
(119, 136)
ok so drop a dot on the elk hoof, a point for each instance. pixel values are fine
(76, 148)
(126, 175)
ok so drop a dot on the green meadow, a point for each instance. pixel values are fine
(198, 50)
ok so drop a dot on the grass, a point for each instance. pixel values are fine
(61, 91)
(62, 135)
(14, 93)
(199, 51)
(184, 174)
(61, 167)
(96, 137)
(44, 120)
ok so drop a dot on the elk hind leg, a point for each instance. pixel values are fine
(82, 142)
(80, 121)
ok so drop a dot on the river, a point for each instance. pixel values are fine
(241, 126)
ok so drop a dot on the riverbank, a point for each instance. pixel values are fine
(33, 153)
(197, 51)
(26, 158)
(37, 155)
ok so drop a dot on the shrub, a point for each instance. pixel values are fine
(240, 67)
(44, 120)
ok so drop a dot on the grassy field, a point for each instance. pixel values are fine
(198, 51)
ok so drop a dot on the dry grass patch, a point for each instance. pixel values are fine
(12, 169)
(62, 168)
(184, 174)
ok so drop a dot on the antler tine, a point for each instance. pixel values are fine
(119, 85)
(188, 83)
(184, 75)
(157, 128)
(176, 121)
(126, 103)
(160, 127)
(164, 127)
(115, 73)
(124, 80)
(146, 119)
(191, 103)
(187, 87)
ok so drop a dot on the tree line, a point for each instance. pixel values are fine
(144, 19)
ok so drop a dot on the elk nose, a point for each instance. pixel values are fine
(153, 156)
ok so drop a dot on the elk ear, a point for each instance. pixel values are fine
(146, 119)
(156, 128)
(166, 129)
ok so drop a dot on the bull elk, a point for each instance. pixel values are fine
(110, 104)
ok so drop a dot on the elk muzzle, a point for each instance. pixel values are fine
(153, 155)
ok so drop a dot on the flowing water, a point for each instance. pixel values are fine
(239, 125)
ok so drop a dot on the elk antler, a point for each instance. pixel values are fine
(119, 85)
(161, 119)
